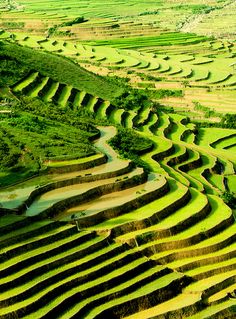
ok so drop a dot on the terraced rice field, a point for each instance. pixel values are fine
(169, 133)
(207, 77)
(117, 238)
(100, 237)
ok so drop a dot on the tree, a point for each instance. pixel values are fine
(229, 199)
(130, 100)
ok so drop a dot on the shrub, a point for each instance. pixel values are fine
(229, 199)
(133, 99)
(228, 121)
(75, 21)
(129, 145)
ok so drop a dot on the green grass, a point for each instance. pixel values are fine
(218, 267)
(172, 305)
(62, 70)
(10, 219)
(206, 283)
(35, 91)
(196, 262)
(32, 139)
(160, 40)
(207, 136)
(72, 162)
(214, 309)
(26, 82)
(64, 96)
(232, 183)
(23, 230)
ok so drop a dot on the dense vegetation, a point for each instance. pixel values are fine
(29, 139)
(130, 145)
(11, 70)
(131, 100)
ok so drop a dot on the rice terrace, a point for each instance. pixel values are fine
(117, 159)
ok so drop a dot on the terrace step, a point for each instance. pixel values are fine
(46, 89)
(222, 295)
(144, 115)
(90, 103)
(180, 155)
(189, 136)
(72, 274)
(178, 127)
(28, 230)
(116, 204)
(112, 168)
(152, 124)
(25, 306)
(200, 173)
(64, 96)
(72, 97)
(79, 98)
(118, 116)
(164, 125)
(224, 141)
(208, 286)
(161, 287)
(178, 306)
(109, 287)
(101, 109)
(165, 148)
(32, 271)
(11, 222)
(64, 166)
(23, 83)
(152, 213)
(195, 252)
(194, 161)
(212, 269)
(48, 96)
(219, 311)
(34, 92)
(75, 273)
(129, 120)
(14, 264)
(57, 94)
(187, 263)
(197, 209)
(215, 222)
(99, 173)
(68, 196)
(141, 217)
(48, 236)
(179, 177)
